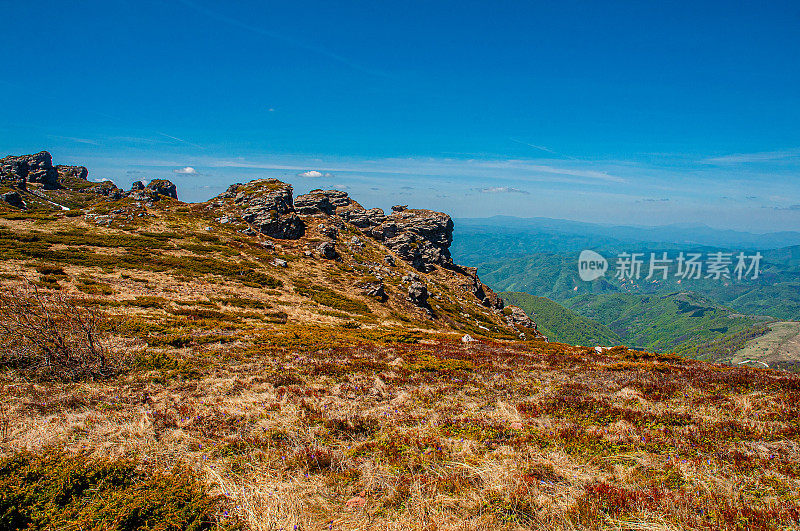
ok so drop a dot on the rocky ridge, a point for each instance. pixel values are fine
(329, 223)
(24, 178)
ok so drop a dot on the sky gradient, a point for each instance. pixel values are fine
(618, 112)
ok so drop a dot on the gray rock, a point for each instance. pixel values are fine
(375, 289)
(362, 218)
(418, 294)
(480, 290)
(399, 208)
(279, 262)
(265, 204)
(154, 191)
(23, 169)
(107, 189)
(411, 277)
(389, 259)
(356, 242)
(327, 250)
(65, 173)
(13, 199)
(329, 231)
(519, 320)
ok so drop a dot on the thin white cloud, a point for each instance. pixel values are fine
(313, 174)
(188, 170)
(763, 156)
(503, 190)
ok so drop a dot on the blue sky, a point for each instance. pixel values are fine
(623, 112)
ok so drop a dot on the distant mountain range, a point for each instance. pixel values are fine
(534, 262)
(526, 235)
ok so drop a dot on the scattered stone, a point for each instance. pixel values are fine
(329, 231)
(279, 262)
(327, 250)
(411, 277)
(467, 339)
(389, 259)
(399, 208)
(356, 241)
(375, 289)
(418, 294)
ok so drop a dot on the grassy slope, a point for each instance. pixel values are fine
(310, 412)
(561, 324)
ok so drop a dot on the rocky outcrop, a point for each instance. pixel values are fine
(66, 173)
(423, 237)
(321, 202)
(420, 237)
(267, 206)
(24, 169)
(418, 296)
(519, 320)
(154, 191)
(327, 250)
(481, 291)
(107, 189)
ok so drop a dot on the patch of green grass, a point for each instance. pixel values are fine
(330, 298)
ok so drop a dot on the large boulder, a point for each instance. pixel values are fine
(23, 169)
(107, 189)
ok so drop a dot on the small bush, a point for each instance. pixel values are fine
(51, 334)
(55, 490)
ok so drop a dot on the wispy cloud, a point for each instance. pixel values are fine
(541, 148)
(181, 140)
(503, 190)
(279, 37)
(790, 207)
(762, 156)
(77, 140)
(652, 200)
